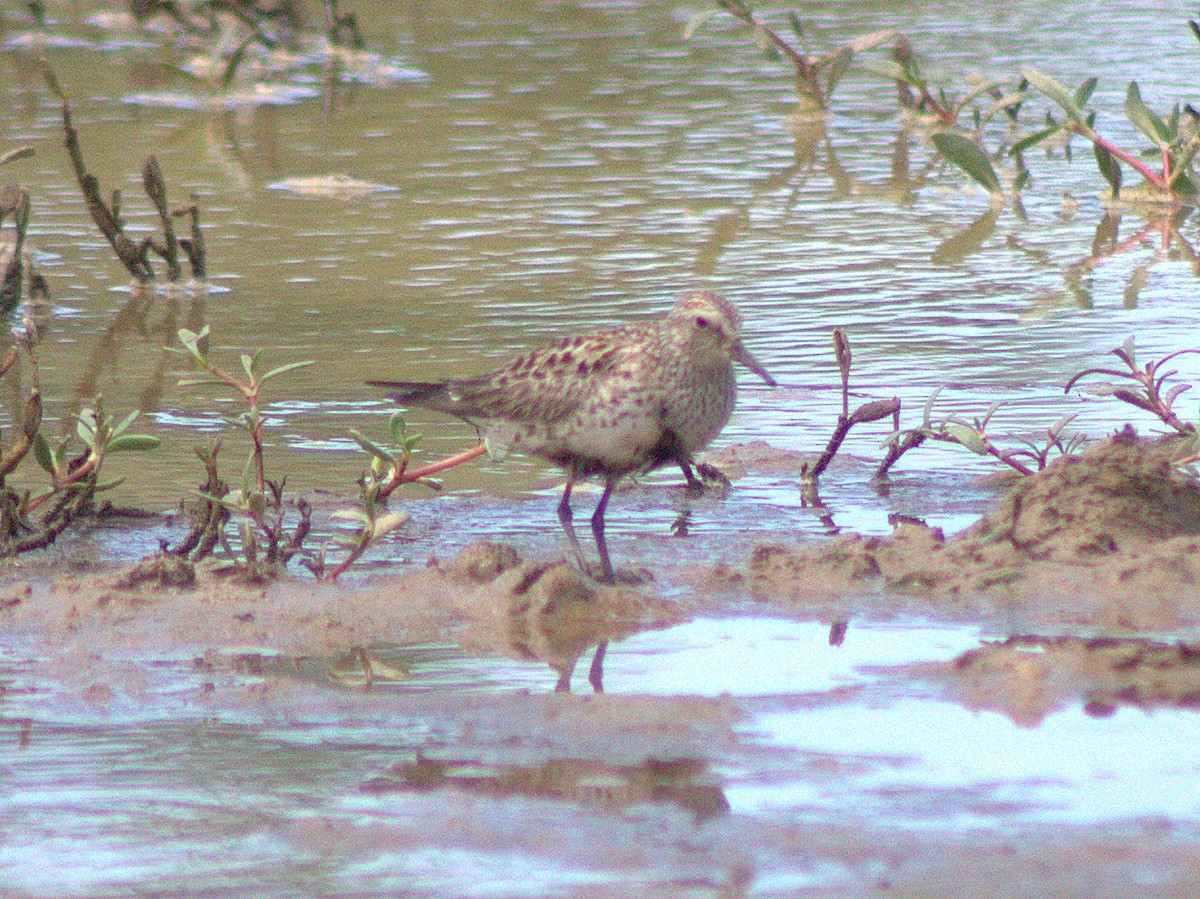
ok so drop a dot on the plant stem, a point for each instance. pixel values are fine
(1125, 156)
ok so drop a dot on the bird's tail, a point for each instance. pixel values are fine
(413, 393)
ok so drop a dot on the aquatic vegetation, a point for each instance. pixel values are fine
(32, 518)
(14, 202)
(266, 543)
(1150, 396)
(867, 412)
(1175, 137)
(74, 470)
(134, 255)
(1028, 457)
(817, 76)
(973, 435)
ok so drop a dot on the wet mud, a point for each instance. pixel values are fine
(1106, 539)
(1090, 568)
(1099, 546)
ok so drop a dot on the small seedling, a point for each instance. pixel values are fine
(388, 471)
(817, 76)
(1151, 396)
(258, 504)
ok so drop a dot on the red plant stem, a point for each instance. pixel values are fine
(449, 462)
(406, 477)
(403, 476)
(943, 114)
(74, 477)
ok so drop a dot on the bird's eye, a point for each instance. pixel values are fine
(701, 321)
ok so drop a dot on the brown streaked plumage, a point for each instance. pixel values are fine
(624, 400)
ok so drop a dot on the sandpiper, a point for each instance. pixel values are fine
(611, 403)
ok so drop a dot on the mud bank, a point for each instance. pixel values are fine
(1108, 539)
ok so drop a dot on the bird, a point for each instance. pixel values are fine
(615, 402)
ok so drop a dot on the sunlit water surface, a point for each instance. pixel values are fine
(539, 169)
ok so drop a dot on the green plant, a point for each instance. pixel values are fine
(385, 474)
(1151, 396)
(1175, 139)
(258, 503)
(1031, 456)
(388, 471)
(816, 76)
(74, 472)
(973, 435)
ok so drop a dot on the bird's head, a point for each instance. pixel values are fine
(711, 329)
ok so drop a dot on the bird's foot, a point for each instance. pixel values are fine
(708, 476)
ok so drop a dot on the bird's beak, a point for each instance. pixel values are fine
(742, 355)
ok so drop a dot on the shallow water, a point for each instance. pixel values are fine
(251, 767)
(559, 167)
(535, 169)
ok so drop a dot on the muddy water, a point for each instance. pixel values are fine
(211, 773)
(534, 169)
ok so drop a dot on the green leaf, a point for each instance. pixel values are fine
(86, 431)
(981, 88)
(124, 425)
(968, 156)
(797, 26)
(763, 38)
(887, 69)
(283, 369)
(968, 437)
(108, 485)
(235, 59)
(927, 411)
(694, 23)
(196, 343)
(1184, 186)
(198, 382)
(1084, 92)
(372, 447)
(133, 443)
(871, 39)
(1036, 138)
(250, 363)
(1144, 118)
(356, 515)
(1054, 90)
(1109, 168)
(839, 62)
(396, 427)
(1181, 162)
(43, 454)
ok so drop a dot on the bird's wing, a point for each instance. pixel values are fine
(544, 385)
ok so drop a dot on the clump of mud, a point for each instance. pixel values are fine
(487, 599)
(1109, 536)
(1028, 676)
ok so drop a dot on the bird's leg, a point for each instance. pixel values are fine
(694, 484)
(596, 672)
(564, 516)
(606, 569)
